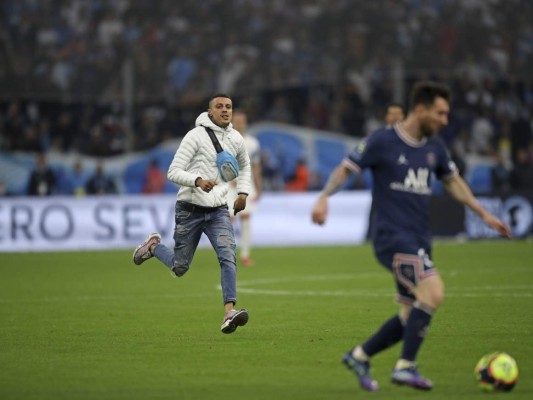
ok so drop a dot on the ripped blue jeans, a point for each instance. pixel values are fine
(189, 227)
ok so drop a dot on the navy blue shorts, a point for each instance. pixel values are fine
(409, 265)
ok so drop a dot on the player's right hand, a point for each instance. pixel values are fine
(206, 185)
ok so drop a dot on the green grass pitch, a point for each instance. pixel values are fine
(91, 325)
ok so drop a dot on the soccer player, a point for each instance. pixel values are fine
(402, 159)
(201, 205)
(240, 123)
(394, 114)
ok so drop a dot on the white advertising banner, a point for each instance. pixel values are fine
(122, 222)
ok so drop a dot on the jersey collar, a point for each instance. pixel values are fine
(406, 138)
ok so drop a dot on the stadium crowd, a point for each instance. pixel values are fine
(324, 64)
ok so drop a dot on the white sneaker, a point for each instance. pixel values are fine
(233, 319)
(142, 252)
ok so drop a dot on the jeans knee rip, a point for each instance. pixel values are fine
(225, 241)
(180, 229)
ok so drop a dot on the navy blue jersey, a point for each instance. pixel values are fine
(402, 170)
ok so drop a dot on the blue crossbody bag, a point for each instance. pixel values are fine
(228, 167)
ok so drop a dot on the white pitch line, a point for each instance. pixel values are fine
(247, 286)
(307, 278)
(364, 293)
(330, 293)
(250, 287)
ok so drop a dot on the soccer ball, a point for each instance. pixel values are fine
(496, 372)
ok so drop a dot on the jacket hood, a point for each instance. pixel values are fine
(204, 120)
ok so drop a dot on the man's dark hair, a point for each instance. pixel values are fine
(426, 92)
(215, 96)
(394, 104)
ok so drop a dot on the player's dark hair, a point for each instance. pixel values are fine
(215, 96)
(426, 92)
(394, 104)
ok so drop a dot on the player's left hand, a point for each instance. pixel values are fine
(498, 225)
(240, 203)
(320, 211)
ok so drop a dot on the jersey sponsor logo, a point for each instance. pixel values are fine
(414, 182)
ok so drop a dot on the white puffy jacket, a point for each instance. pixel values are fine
(196, 157)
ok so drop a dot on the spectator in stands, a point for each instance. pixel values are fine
(279, 111)
(79, 55)
(154, 180)
(300, 181)
(521, 134)
(482, 134)
(34, 140)
(181, 69)
(13, 127)
(238, 62)
(521, 176)
(352, 111)
(64, 131)
(315, 114)
(148, 129)
(100, 183)
(115, 135)
(394, 114)
(43, 180)
(74, 181)
(500, 174)
(3, 190)
(272, 178)
(107, 137)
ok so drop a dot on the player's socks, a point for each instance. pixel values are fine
(402, 364)
(359, 354)
(390, 333)
(415, 331)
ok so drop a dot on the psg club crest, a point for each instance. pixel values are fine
(431, 159)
